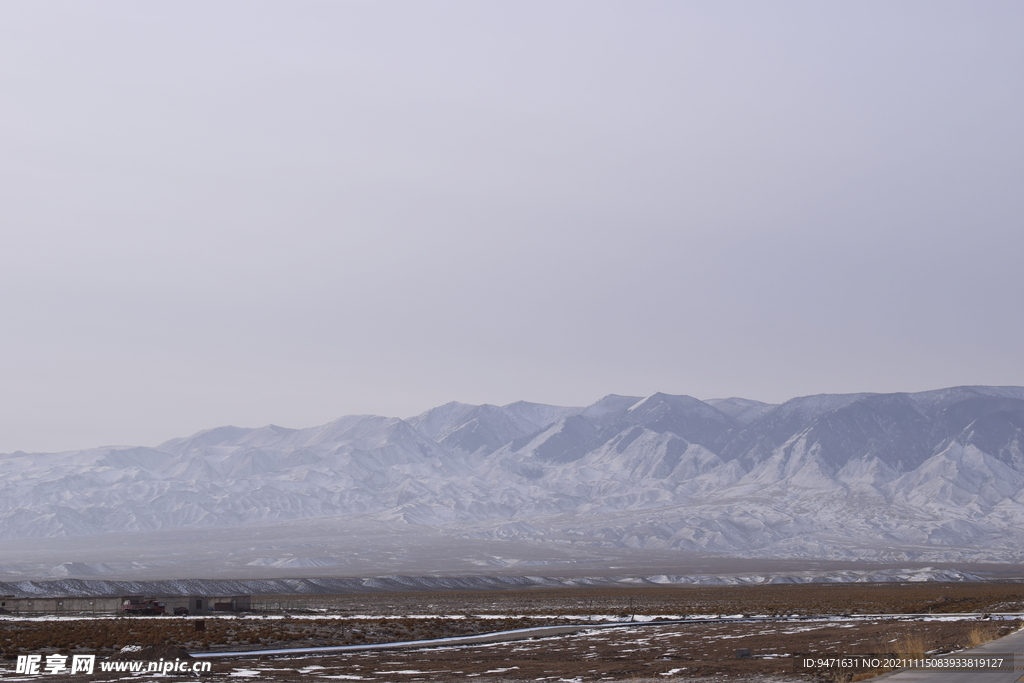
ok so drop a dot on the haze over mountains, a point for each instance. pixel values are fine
(931, 476)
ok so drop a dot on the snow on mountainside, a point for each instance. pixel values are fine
(936, 475)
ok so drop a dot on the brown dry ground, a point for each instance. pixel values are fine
(700, 651)
(899, 598)
(663, 652)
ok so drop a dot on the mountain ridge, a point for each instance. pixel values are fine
(936, 475)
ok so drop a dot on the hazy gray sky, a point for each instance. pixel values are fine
(284, 212)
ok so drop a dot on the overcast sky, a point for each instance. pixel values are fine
(284, 212)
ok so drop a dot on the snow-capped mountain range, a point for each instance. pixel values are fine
(936, 476)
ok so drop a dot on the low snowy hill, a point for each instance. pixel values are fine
(937, 476)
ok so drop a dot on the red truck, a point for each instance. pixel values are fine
(139, 606)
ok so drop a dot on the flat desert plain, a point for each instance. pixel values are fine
(773, 622)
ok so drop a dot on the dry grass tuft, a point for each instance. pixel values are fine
(978, 636)
(910, 646)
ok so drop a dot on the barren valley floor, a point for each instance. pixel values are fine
(947, 621)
